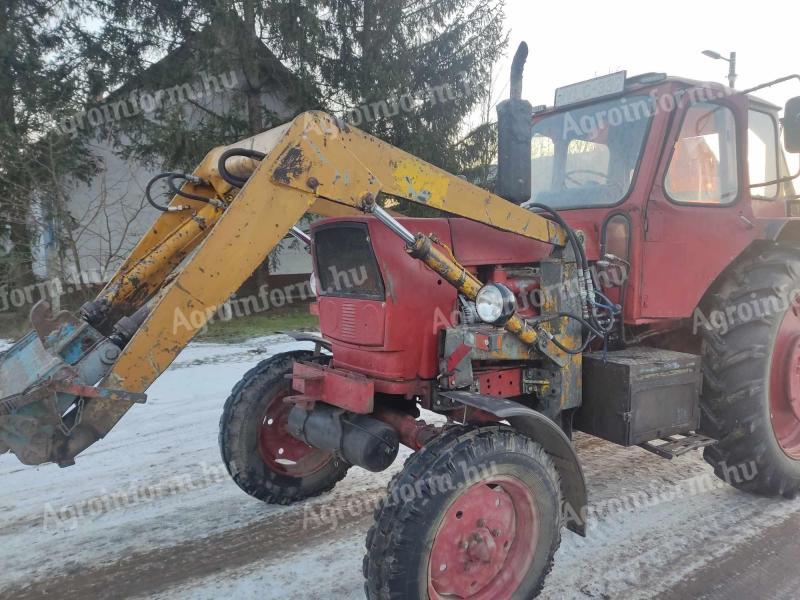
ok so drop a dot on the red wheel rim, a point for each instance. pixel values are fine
(784, 397)
(280, 450)
(486, 542)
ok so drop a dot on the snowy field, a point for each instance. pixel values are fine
(150, 512)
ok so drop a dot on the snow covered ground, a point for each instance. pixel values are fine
(150, 512)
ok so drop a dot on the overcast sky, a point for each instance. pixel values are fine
(574, 40)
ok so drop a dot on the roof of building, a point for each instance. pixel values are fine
(215, 51)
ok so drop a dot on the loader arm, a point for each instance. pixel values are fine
(191, 261)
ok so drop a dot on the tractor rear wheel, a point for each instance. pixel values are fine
(751, 393)
(475, 514)
(261, 456)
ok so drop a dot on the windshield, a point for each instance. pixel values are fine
(588, 156)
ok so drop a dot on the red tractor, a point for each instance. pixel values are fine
(680, 201)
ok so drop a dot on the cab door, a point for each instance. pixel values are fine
(698, 217)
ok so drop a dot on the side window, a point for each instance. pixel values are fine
(703, 167)
(543, 160)
(762, 154)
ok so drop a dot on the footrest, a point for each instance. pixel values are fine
(678, 445)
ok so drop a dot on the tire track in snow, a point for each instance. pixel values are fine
(147, 573)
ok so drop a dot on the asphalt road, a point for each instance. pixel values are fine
(767, 566)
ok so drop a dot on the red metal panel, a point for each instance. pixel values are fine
(503, 383)
(355, 321)
(395, 340)
(347, 390)
(686, 247)
(475, 244)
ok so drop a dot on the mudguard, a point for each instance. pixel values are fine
(555, 442)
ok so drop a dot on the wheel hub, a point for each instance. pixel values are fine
(485, 542)
(280, 450)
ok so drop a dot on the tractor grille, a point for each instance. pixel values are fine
(347, 325)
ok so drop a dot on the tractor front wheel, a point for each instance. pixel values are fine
(751, 394)
(475, 514)
(262, 457)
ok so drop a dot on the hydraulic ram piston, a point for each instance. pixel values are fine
(423, 248)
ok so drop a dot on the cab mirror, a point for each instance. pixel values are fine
(791, 125)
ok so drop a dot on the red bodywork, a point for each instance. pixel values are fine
(396, 341)
(678, 250)
(676, 253)
(351, 391)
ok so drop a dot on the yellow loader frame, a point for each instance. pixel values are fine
(315, 164)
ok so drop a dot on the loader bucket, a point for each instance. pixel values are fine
(45, 378)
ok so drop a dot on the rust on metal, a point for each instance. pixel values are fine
(290, 166)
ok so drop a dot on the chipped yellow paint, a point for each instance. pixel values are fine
(326, 208)
(421, 183)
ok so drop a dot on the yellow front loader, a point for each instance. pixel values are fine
(193, 258)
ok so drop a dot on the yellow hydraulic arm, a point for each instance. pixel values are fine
(314, 164)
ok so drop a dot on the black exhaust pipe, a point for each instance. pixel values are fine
(360, 440)
(514, 137)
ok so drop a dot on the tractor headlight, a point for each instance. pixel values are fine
(495, 304)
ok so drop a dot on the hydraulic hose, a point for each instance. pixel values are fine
(150, 185)
(237, 182)
(178, 192)
(585, 274)
(577, 247)
(171, 176)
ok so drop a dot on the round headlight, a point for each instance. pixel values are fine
(495, 304)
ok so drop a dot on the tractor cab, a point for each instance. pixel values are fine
(659, 171)
(712, 144)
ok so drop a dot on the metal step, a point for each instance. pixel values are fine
(678, 445)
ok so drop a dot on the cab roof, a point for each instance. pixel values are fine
(651, 80)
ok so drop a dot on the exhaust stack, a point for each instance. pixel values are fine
(514, 137)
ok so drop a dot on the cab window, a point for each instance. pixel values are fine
(762, 154)
(587, 163)
(587, 156)
(702, 168)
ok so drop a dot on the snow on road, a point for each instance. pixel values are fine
(150, 512)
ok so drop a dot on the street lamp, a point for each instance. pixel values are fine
(731, 62)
